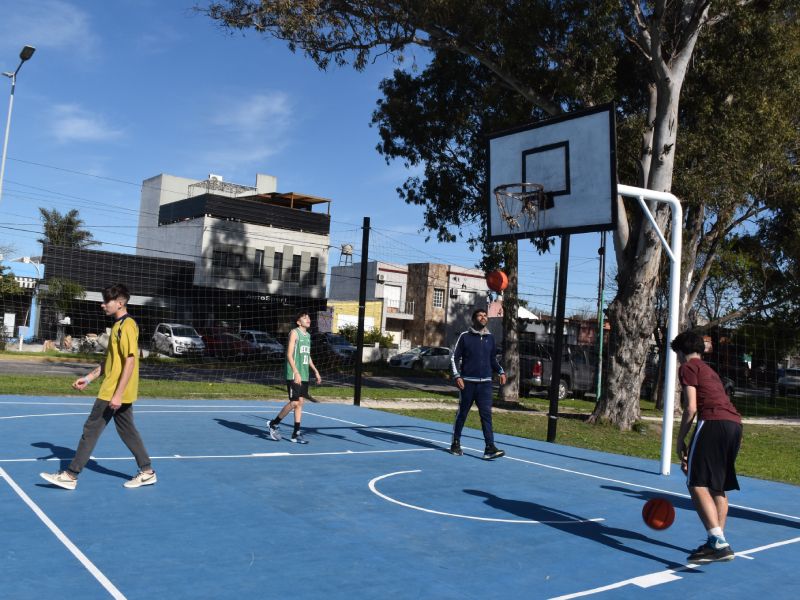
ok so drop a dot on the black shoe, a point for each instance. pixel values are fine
(455, 448)
(708, 553)
(492, 452)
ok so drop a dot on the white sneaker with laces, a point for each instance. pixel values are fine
(274, 434)
(61, 479)
(141, 479)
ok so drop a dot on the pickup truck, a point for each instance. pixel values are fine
(578, 369)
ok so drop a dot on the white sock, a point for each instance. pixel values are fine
(716, 532)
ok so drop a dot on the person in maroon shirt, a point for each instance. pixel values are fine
(709, 462)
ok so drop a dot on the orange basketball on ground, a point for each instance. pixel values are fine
(658, 513)
(497, 281)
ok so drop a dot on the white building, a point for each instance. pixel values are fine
(241, 238)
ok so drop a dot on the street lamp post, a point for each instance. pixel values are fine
(24, 55)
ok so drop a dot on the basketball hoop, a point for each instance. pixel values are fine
(521, 205)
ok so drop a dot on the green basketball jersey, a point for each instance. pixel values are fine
(302, 354)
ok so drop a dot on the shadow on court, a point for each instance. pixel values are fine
(686, 504)
(65, 455)
(589, 530)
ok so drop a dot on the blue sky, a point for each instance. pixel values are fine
(120, 91)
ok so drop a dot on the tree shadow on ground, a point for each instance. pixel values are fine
(576, 525)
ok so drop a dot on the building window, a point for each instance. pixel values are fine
(277, 266)
(258, 264)
(313, 271)
(294, 271)
(438, 298)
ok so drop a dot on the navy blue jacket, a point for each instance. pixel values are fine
(475, 356)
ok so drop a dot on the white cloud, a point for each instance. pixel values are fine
(46, 24)
(251, 129)
(71, 123)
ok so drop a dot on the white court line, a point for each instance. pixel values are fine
(225, 456)
(562, 469)
(659, 577)
(373, 488)
(441, 443)
(96, 573)
(138, 412)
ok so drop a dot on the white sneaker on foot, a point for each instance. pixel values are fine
(274, 434)
(61, 479)
(141, 479)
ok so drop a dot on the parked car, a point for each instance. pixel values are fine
(790, 382)
(651, 373)
(331, 348)
(578, 369)
(423, 357)
(226, 345)
(267, 345)
(175, 339)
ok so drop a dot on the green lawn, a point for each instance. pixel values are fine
(54, 385)
(768, 451)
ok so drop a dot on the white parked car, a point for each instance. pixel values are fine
(267, 345)
(423, 357)
(175, 339)
(790, 382)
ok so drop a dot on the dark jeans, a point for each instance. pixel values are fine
(95, 425)
(481, 394)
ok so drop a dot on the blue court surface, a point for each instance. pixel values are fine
(373, 507)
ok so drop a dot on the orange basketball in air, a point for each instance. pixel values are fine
(497, 281)
(658, 513)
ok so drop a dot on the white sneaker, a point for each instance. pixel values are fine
(61, 479)
(274, 434)
(141, 479)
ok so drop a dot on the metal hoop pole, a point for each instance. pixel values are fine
(674, 302)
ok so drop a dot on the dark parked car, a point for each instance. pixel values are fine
(578, 369)
(331, 349)
(226, 345)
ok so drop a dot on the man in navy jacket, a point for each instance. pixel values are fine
(473, 364)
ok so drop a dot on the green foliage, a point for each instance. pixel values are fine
(8, 283)
(65, 230)
(371, 337)
(61, 294)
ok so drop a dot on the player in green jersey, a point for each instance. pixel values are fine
(298, 364)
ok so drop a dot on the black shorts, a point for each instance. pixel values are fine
(712, 455)
(297, 390)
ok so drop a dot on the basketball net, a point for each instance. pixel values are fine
(522, 206)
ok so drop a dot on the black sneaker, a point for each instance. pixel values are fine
(492, 452)
(455, 448)
(708, 553)
(299, 439)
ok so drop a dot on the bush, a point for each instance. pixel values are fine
(371, 337)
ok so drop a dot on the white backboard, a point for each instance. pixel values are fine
(574, 157)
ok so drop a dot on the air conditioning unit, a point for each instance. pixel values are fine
(454, 292)
(381, 277)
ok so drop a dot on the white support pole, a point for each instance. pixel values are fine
(674, 254)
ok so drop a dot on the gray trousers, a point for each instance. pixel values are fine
(95, 425)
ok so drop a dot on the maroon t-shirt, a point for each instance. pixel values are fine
(713, 403)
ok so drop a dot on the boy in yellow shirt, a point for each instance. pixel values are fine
(115, 398)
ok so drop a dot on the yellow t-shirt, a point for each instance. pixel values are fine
(123, 342)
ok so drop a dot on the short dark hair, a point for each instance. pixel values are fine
(478, 310)
(115, 292)
(689, 342)
(301, 313)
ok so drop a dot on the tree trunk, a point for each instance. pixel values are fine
(510, 391)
